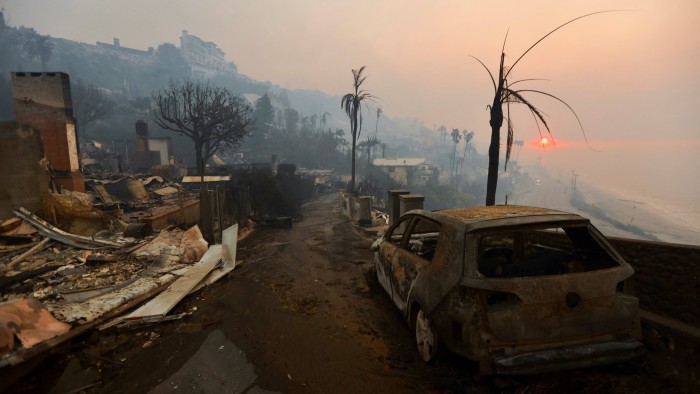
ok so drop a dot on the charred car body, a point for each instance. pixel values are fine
(517, 289)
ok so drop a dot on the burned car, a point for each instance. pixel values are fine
(517, 289)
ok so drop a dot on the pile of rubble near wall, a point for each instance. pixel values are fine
(124, 253)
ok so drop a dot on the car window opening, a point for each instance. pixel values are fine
(423, 238)
(539, 252)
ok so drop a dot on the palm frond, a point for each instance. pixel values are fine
(527, 80)
(503, 48)
(559, 27)
(493, 81)
(509, 140)
(539, 129)
(531, 107)
(567, 106)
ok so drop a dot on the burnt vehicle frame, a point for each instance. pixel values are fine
(517, 289)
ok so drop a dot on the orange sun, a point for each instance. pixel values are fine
(544, 141)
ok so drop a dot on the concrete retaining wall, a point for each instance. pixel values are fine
(357, 209)
(666, 277)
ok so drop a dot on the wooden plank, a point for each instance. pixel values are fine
(165, 301)
(213, 276)
(28, 253)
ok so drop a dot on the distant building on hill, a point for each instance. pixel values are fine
(131, 51)
(205, 58)
(409, 171)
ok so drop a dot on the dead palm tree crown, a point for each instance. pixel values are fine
(352, 103)
(505, 94)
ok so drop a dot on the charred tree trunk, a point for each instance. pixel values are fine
(494, 152)
(352, 177)
(199, 158)
(496, 122)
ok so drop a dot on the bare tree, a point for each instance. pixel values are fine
(352, 103)
(39, 47)
(90, 105)
(212, 117)
(504, 94)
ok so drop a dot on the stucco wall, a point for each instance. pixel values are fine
(357, 209)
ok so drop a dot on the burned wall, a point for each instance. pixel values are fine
(24, 181)
(43, 101)
(44, 89)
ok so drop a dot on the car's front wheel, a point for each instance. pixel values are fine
(427, 337)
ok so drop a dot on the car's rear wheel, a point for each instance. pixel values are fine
(427, 337)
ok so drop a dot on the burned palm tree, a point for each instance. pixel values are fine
(376, 126)
(352, 103)
(505, 94)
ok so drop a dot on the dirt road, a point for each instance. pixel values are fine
(303, 313)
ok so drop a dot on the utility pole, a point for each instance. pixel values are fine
(574, 175)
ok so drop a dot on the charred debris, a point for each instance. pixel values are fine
(98, 235)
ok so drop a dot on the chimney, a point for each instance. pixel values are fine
(141, 136)
(43, 101)
(48, 90)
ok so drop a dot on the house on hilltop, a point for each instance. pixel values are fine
(409, 171)
(205, 58)
(129, 51)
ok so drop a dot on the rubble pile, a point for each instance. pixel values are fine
(90, 259)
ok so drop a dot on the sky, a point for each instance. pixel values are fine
(632, 77)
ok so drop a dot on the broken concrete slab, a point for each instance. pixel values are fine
(96, 307)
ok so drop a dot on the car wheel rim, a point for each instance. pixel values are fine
(425, 336)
